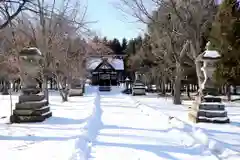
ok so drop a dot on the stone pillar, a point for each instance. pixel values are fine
(208, 87)
(32, 105)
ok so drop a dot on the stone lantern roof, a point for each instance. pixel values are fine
(209, 54)
(32, 51)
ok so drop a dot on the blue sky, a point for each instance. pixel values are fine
(110, 21)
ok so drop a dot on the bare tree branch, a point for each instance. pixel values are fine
(4, 9)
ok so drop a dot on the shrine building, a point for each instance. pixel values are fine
(106, 71)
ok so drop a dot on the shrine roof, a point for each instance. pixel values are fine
(116, 63)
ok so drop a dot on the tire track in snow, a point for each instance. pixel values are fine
(189, 129)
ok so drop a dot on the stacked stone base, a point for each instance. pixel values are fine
(138, 89)
(75, 92)
(31, 108)
(210, 110)
(104, 88)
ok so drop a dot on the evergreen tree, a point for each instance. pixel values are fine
(124, 45)
(225, 37)
(115, 46)
(138, 42)
(105, 41)
(131, 47)
(130, 50)
(95, 39)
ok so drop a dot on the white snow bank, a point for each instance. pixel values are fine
(90, 89)
(84, 143)
(221, 139)
(201, 136)
(200, 140)
(216, 147)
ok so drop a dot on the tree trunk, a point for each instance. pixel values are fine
(228, 92)
(14, 86)
(5, 88)
(45, 89)
(64, 95)
(63, 91)
(65, 99)
(199, 76)
(11, 102)
(163, 87)
(188, 90)
(51, 83)
(177, 85)
(234, 90)
(172, 87)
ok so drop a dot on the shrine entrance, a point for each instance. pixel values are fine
(104, 79)
(104, 75)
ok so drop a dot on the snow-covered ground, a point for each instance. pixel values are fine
(222, 139)
(131, 131)
(62, 137)
(113, 126)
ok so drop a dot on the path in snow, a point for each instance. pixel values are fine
(225, 137)
(127, 132)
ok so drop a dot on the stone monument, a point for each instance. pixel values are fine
(76, 88)
(138, 87)
(32, 105)
(208, 107)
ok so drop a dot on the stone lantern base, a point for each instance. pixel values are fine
(73, 92)
(138, 88)
(76, 88)
(31, 108)
(210, 109)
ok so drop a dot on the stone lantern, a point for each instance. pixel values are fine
(137, 76)
(208, 107)
(32, 105)
(209, 58)
(76, 87)
(138, 88)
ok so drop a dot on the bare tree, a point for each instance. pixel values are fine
(172, 45)
(11, 43)
(10, 9)
(176, 27)
(49, 30)
(196, 19)
(68, 63)
(58, 32)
